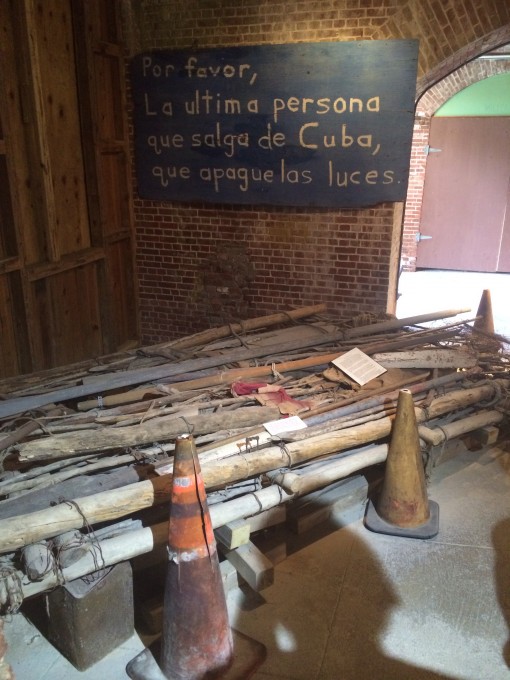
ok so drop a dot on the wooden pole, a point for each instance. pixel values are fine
(212, 334)
(87, 441)
(15, 532)
(10, 407)
(438, 435)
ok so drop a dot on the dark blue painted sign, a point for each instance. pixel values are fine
(315, 124)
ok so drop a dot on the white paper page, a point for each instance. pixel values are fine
(358, 366)
(285, 425)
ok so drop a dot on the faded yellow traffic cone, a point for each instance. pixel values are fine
(484, 321)
(403, 508)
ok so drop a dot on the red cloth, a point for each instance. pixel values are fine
(271, 394)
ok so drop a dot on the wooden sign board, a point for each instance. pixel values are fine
(314, 124)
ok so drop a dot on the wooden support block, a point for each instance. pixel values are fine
(252, 565)
(233, 534)
(268, 518)
(150, 610)
(317, 507)
(228, 576)
(487, 435)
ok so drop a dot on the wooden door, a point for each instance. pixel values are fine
(67, 286)
(466, 196)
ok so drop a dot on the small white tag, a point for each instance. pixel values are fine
(285, 425)
(359, 366)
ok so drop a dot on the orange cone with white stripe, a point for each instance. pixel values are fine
(403, 508)
(197, 639)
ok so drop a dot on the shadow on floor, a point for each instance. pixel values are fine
(328, 630)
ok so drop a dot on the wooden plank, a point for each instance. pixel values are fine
(252, 565)
(487, 436)
(233, 534)
(43, 270)
(69, 325)
(9, 354)
(267, 519)
(57, 98)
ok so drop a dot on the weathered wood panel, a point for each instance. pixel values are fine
(124, 326)
(64, 185)
(114, 192)
(69, 316)
(327, 124)
(58, 102)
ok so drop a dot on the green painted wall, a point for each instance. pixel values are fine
(489, 97)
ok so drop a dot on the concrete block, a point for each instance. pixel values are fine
(90, 618)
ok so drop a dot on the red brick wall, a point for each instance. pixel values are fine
(200, 264)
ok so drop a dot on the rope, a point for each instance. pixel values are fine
(11, 590)
(283, 448)
(95, 548)
(236, 335)
(276, 374)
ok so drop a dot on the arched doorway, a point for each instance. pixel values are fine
(441, 282)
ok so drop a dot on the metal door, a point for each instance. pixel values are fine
(466, 196)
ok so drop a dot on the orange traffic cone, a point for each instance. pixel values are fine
(403, 508)
(196, 640)
(485, 320)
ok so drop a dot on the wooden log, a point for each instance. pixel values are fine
(438, 435)
(15, 532)
(12, 406)
(328, 471)
(38, 560)
(211, 334)
(66, 445)
(258, 437)
(427, 358)
(27, 428)
(70, 547)
(393, 324)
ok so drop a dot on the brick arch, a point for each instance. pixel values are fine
(463, 57)
(433, 90)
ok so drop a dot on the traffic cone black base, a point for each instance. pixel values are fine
(376, 523)
(249, 655)
(403, 508)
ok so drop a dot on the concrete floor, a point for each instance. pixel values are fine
(349, 604)
(356, 605)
